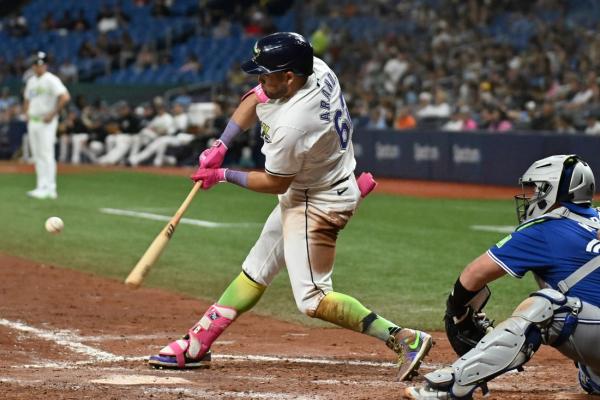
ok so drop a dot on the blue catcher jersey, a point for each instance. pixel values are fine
(552, 249)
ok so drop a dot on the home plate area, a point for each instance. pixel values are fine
(69, 335)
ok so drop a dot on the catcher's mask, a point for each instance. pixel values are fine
(554, 179)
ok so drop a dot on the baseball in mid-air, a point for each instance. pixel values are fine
(54, 225)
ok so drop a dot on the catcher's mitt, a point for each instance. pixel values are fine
(466, 325)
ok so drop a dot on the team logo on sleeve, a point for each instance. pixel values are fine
(264, 132)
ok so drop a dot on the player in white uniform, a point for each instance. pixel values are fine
(45, 95)
(310, 163)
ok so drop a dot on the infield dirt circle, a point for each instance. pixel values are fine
(69, 335)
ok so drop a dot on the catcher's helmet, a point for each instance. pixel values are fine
(561, 178)
(281, 51)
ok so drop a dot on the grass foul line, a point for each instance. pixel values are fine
(188, 221)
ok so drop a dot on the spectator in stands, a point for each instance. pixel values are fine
(592, 126)
(544, 120)
(405, 119)
(394, 69)
(440, 109)
(6, 99)
(522, 118)
(360, 114)
(495, 119)
(236, 78)
(564, 124)
(146, 59)
(126, 50)
(380, 117)
(17, 26)
(111, 19)
(109, 49)
(460, 120)
(66, 22)
(88, 50)
(191, 64)
(257, 23)
(222, 29)
(68, 72)
(48, 23)
(161, 8)
(80, 23)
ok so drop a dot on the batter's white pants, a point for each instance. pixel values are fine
(301, 233)
(42, 137)
(117, 147)
(158, 148)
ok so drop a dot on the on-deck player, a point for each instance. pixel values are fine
(310, 163)
(45, 96)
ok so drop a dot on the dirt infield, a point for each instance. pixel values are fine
(69, 335)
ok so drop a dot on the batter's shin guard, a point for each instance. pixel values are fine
(190, 351)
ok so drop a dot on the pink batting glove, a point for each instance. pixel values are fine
(209, 176)
(260, 94)
(213, 156)
(366, 184)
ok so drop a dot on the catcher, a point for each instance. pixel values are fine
(558, 242)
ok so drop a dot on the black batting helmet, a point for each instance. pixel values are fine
(281, 51)
(39, 58)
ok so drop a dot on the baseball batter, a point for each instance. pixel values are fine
(45, 96)
(309, 162)
(558, 242)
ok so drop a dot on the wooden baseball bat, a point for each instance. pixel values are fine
(137, 274)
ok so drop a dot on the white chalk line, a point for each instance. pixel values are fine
(187, 221)
(377, 383)
(210, 394)
(74, 342)
(225, 357)
(493, 228)
(62, 338)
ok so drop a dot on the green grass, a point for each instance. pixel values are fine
(398, 255)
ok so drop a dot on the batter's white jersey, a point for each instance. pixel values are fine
(42, 92)
(310, 134)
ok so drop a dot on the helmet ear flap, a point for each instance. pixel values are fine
(576, 182)
(565, 183)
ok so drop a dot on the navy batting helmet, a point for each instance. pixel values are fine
(281, 51)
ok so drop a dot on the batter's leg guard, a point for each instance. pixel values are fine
(193, 350)
(589, 381)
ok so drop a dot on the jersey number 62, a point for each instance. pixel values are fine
(343, 123)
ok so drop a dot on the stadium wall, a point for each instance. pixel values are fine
(474, 157)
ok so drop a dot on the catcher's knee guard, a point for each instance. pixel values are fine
(510, 345)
